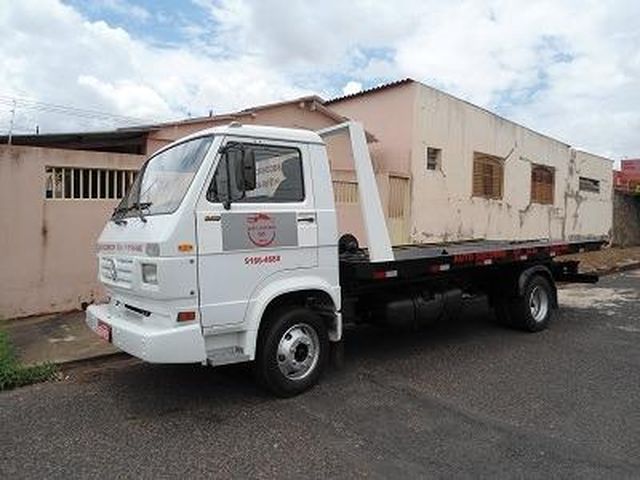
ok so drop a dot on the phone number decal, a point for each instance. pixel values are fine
(261, 259)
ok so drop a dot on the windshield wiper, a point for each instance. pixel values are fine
(139, 206)
(121, 210)
(116, 215)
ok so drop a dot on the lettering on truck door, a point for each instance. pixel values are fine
(271, 229)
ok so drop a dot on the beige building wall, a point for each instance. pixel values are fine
(410, 117)
(589, 213)
(48, 261)
(442, 201)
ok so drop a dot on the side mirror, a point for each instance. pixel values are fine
(246, 171)
(235, 175)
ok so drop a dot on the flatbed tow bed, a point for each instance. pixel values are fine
(412, 262)
(428, 282)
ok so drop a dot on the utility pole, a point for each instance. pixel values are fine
(13, 117)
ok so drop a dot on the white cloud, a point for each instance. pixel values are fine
(568, 68)
(52, 54)
(352, 87)
(137, 100)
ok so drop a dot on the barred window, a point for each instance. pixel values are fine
(488, 176)
(542, 184)
(87, 183)
(589, 185)
(433, 158)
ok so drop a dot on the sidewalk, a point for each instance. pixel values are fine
(62, 338)
(57, 338)
(608, 260)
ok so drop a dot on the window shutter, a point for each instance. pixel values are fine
(478, 172)
(488, 176)
(542, 184)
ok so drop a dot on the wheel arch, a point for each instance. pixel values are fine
(309, 292)
(545, 272)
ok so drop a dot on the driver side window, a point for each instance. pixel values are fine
(279, 177)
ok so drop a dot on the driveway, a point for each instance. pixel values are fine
(465, 399)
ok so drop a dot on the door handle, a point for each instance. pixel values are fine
(309, 219)
(212, 218)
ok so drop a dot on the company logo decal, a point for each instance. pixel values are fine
(258, 230)
(261, 229)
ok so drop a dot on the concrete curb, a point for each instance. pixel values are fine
(88, 361)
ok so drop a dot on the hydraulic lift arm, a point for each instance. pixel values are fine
(378, 241)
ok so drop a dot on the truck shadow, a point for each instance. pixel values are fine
(148, 391)
(475, 322)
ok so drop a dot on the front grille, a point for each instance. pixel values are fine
(117, 271)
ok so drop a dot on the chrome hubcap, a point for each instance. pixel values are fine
(539, 303)
(298, 351)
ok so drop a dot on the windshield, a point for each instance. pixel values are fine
(164, 180)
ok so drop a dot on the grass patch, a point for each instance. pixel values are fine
(13, 374)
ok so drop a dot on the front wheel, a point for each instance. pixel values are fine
(292, 351)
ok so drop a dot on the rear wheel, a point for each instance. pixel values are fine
(292, 351)
(533, 311)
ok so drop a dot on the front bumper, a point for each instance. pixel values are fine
(151, 343)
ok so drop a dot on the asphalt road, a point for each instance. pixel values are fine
(466, 399)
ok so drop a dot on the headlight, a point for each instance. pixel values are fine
(150, 273)
(152, 249)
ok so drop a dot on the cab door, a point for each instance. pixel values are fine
(271, 229)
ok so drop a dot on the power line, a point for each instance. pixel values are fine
(30, 104)
(75, 113)
(51, 107)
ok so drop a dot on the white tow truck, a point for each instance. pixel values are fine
(226, 250)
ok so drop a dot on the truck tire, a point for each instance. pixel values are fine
(292, 351)
(532, 312)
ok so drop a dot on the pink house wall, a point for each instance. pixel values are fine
(48, 261)
(290, 115)
(388, 115)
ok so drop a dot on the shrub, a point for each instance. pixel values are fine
(13, 374)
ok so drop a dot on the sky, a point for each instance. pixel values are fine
(566, 68)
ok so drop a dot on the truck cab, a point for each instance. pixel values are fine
(219, 231)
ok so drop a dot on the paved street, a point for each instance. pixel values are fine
(463, 399)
